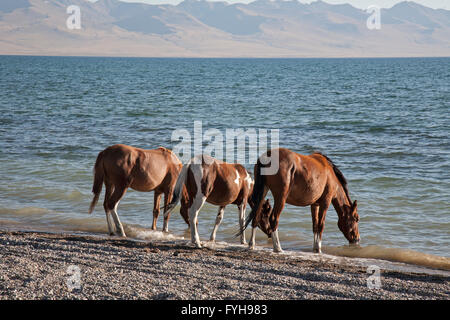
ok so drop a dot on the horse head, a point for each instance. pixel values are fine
(265, 218)
(184, 205)
(348, 222)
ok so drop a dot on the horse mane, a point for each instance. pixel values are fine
(165, 149)
(338, 174)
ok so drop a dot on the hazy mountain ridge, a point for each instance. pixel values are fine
(261, 28)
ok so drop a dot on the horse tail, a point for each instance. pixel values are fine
(98, 181)
(177, 191)
(256, 198)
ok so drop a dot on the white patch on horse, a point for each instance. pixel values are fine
(237, 178)
(249, 180)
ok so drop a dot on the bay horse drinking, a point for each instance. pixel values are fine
(210, 180)
(302, 180)
(121, 167)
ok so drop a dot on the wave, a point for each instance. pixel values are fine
(392, 254)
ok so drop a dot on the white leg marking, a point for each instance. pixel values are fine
(251, 244)
(218, 221)
(193, 214)
(111, 228)
(119, 226)
(317, 247)
(276, 242)
(197, 203)
(166, 220)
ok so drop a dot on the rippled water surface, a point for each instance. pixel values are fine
(384, 122)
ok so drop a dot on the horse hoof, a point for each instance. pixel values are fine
(277, 250)
(197, 245)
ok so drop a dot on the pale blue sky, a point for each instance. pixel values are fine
(363, 4)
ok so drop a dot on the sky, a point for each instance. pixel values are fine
(362, 4)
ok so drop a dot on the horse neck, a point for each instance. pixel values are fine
(340, 200)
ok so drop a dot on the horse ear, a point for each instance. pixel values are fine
(354, 213)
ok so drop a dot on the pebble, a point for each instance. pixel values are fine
(122, 269)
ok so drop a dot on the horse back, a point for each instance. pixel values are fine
(142, 170)
(305, 177)
(226, 182)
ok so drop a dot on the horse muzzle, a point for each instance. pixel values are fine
(355, 242)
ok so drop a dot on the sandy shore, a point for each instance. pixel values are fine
(63, 266)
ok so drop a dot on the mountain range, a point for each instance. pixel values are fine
(200, 28)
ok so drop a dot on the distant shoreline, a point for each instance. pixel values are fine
(212, 29)
(41, 266)
(218, 57)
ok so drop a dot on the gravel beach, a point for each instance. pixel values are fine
(35, 265)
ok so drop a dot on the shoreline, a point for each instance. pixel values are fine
(42, 265)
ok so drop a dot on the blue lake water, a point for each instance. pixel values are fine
(384, 122)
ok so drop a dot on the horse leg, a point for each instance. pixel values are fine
(218, 221)
(108, 193)
(167, 199)
(117, 222)
(197, 204)
(241, 208)
(315, 225)
(251, 244)
(280, 200)
(322, 212)
(119, 192)
(156, 203)
(276, 242)
(111, 228)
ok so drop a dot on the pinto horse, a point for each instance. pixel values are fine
(210, 180)
(121, 167)
(302, 180)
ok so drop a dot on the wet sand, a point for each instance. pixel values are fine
(35, 265)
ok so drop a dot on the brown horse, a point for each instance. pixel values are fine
(121, 167)
(216, 182)
(302, 180)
